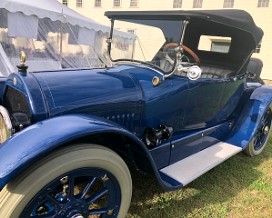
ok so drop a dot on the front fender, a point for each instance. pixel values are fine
(246, 125)
(27, 146)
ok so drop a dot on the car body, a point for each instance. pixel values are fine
(174, 115)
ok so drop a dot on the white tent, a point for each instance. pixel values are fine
(52, 35)
(52, 9)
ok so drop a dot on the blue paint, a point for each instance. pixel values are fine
(249, 119)
(41, 138)
(126, 104)
(185, 145)
(161, 154)
(2, 84)
(37, 140)
(28, 86)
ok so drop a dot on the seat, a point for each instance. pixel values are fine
(212, 72)
(254, 69)
(215, 72)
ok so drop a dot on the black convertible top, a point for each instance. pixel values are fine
(237, 19)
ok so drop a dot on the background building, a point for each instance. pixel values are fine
(261, 10)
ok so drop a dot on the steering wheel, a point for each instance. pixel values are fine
(187, 49)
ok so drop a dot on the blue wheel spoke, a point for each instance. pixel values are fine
(266, 119)
(52, 200)
(262, 123)
(98, 211)
(60, 198)
(262, 134)
(87, 187)
(71, 186)
(48, 201)
(97, 196)
(266, 116)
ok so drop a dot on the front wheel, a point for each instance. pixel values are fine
(259, 140)
(75, 182)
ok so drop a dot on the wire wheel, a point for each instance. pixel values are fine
(80, 181)
(259, 140)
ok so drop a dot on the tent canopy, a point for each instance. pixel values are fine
(53, 10)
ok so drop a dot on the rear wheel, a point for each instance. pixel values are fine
(259, 140)
(79, 181)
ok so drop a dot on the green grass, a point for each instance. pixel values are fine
(240, 187)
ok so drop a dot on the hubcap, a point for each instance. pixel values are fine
(266, 130)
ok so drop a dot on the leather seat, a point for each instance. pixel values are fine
(215, 72)
(212, 72)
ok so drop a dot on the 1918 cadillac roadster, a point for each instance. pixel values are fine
(175, 111)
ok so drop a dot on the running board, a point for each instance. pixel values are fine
(190, 168)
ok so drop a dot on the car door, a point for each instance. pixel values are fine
(202, 109)
(204, 102)
(234, 88)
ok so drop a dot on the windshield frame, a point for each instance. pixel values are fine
(177, 51)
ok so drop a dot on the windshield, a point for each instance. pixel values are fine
(149, 44)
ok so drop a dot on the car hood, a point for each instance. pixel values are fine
(92, 90)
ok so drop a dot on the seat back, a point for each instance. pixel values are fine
(215, 72)
(254, 69)
(255, 66)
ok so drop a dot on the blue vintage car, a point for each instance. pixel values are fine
(173, 103)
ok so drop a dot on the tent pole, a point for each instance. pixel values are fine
(61, 34)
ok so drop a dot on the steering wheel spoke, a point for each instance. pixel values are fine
(185, 48)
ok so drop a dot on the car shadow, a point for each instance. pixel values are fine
(217, 186)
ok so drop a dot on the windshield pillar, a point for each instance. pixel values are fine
(185, 23)
(179, 50)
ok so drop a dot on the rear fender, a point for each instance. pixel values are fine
(38, 140)
(247, 123)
